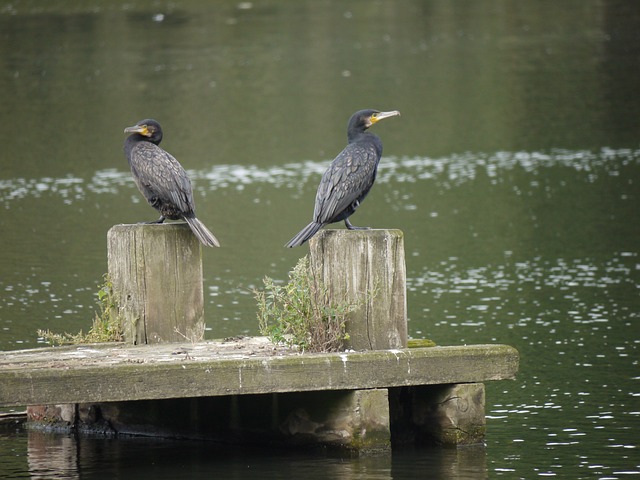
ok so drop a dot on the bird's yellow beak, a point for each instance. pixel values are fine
(141, 129)
(376, 117)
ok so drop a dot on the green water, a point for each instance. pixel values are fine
(514, 172)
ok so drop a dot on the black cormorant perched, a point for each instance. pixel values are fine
(349, 177)
(161, 179)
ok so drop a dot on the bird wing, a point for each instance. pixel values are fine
(347, 180)
(159, 175)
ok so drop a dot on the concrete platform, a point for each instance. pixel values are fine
(243, 366)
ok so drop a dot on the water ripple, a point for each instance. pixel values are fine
(447, 171)
(459, 168)
(536, 272)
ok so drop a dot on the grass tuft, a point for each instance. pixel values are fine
(107, 326)
(300, 314)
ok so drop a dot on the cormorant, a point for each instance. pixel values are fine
(161, 179)
(349, 177)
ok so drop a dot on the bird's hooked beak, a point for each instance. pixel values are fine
(141, 129)
(376, 117)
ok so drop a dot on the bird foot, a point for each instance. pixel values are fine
(153, 222)
(351, 227)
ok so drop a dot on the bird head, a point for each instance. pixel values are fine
(147, 128)
(363, 119)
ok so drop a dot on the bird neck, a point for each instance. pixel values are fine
(353, 137)
(131, 141)
(137, 138)
(366, 138)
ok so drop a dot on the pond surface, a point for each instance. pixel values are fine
(514, 172)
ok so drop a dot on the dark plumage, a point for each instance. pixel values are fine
(349, 177)
(161, 179)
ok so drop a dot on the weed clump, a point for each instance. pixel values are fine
(106, 326)
(301, 313)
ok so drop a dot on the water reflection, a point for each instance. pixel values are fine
(52, 456)
(68, 457)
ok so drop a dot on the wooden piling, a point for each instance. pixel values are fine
(156, 272)
(366, 268)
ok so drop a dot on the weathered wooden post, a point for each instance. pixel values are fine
(366, 268)
(156, 272)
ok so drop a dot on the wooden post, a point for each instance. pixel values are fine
(156, 272)
(366, 267)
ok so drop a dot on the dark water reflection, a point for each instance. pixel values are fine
(514, 172)
(65, 457)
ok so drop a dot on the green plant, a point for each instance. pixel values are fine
(106, 325)
(301, 313)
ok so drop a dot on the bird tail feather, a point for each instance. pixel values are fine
(305, 234)
(201, 232)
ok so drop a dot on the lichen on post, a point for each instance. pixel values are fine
(366, 268)
(156, 271)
